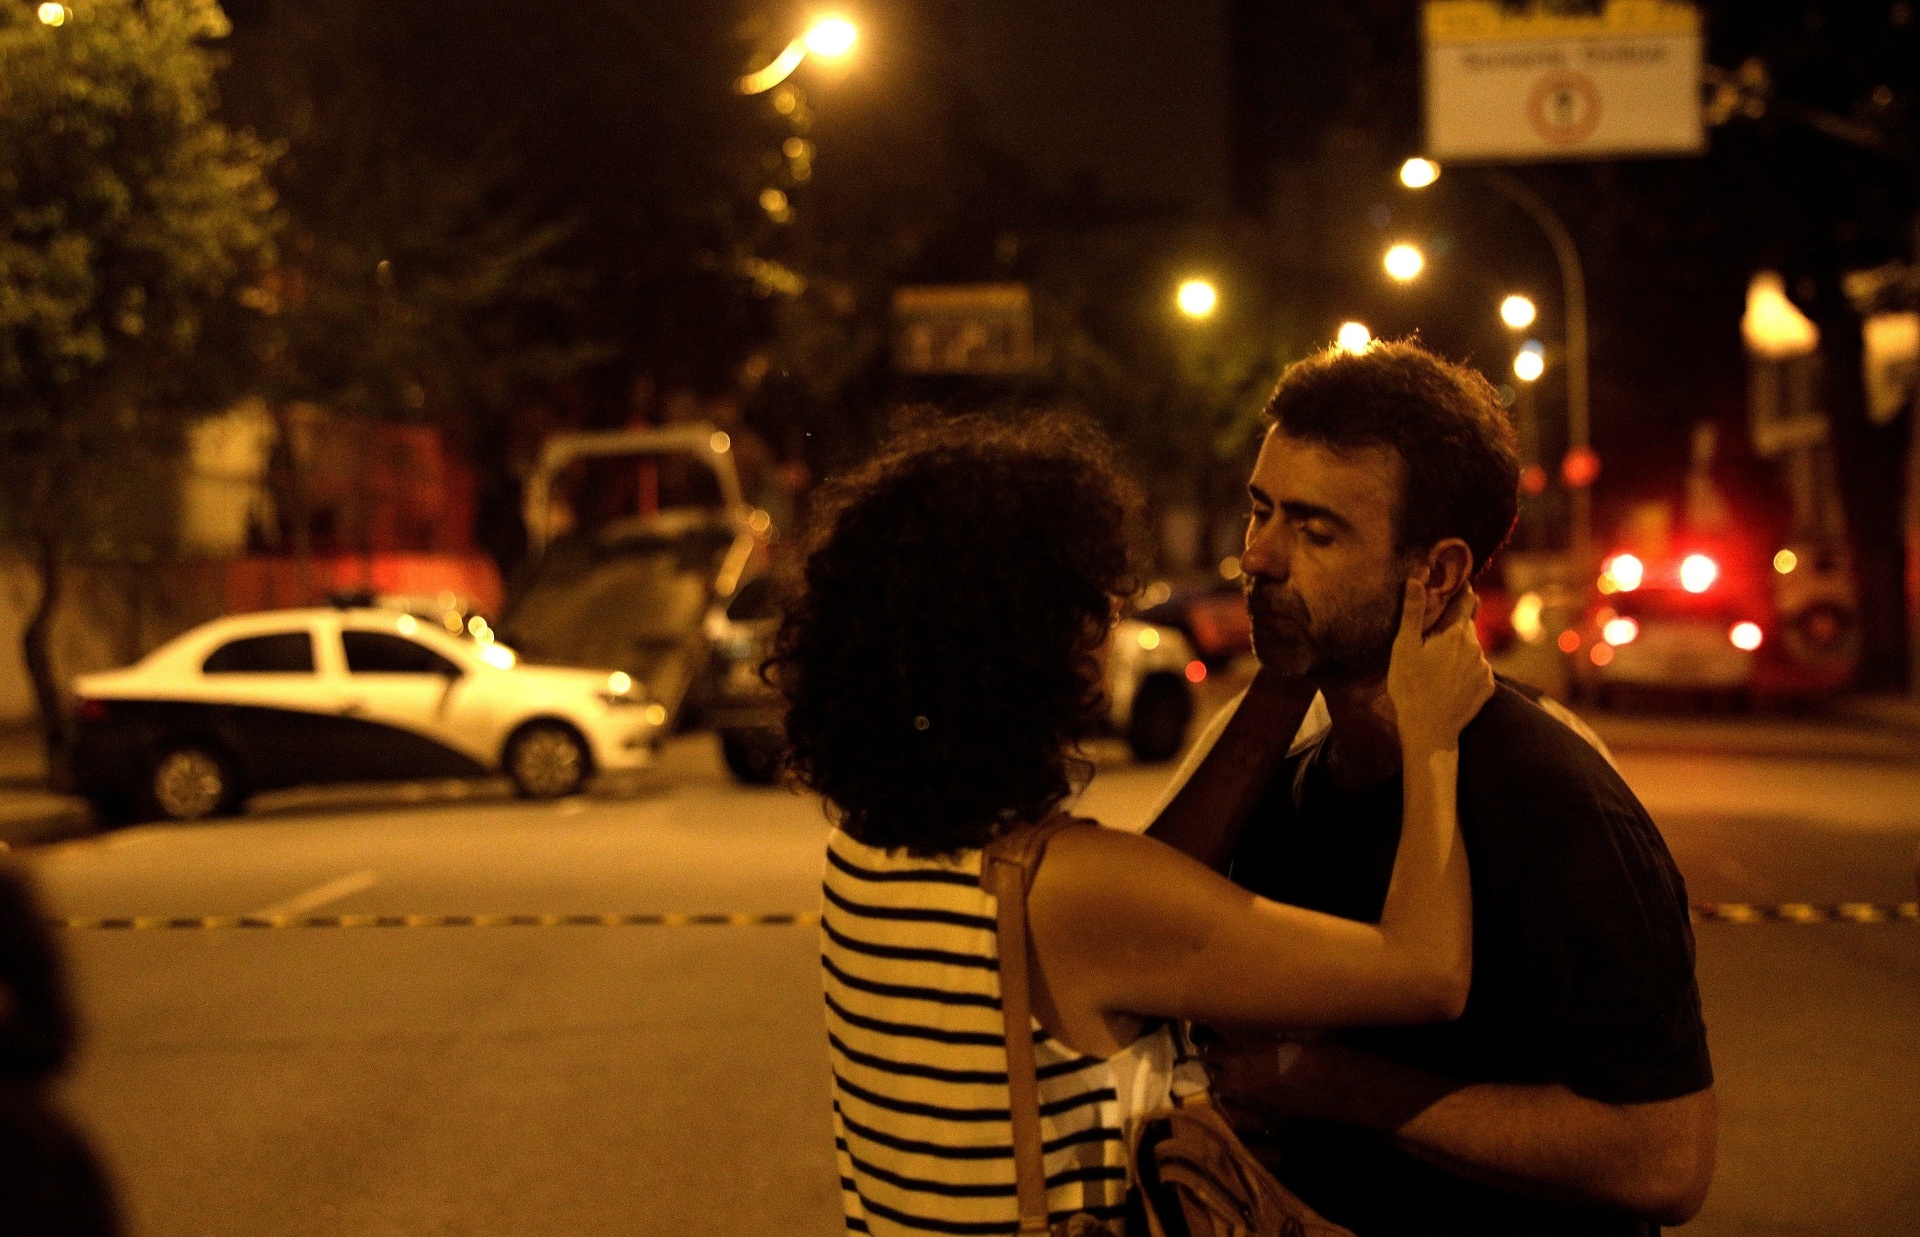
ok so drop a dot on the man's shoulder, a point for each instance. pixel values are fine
(1518, 751)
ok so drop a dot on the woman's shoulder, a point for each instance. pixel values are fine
(1103, 875)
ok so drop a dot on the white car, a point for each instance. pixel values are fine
(299, 697)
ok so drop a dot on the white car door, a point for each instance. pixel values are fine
(413, 701)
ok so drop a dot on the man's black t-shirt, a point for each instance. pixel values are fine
(1582, 958)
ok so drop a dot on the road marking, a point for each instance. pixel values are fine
(279, 917)
(318, 896)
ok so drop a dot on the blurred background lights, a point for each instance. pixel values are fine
(1602, 654)
(1785, 561)
(720, 443)
(1698, 572)
(1230, 567)
(1625, 572)
(1746, 636)
(1404, 262)
(1353, 337)
(831, 37)
(774, 202)
(1518, 312)
(1528, 366)
(54, 14)
(1149, 638)
(1196, 671)
(619, 682)
(1197, 298)
(1569, 641)
(1619, 631)
(1419, 173)
(1773, 326)
(1526, 617)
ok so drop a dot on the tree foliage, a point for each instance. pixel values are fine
(130, 218)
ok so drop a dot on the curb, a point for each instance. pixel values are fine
(56, 824)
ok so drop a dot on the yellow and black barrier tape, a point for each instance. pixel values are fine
(217, 922)
(1805, 912)
(1703, 912)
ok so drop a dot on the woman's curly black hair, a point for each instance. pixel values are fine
(941, 657)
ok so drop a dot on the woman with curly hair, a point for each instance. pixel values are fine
(941, 665)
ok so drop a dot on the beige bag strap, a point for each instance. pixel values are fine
(1006, 870)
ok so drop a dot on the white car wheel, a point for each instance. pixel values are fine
(547, 761)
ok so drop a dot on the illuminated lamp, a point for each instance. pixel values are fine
(1619, 631)
(1698, 572)
(1626, 572)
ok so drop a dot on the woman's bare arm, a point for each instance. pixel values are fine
(1125, 925)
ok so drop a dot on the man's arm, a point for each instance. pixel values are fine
(1654, 1160)
(1206, 817)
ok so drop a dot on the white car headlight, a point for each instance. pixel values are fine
(621, 690)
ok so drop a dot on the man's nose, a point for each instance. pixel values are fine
(1269, 550)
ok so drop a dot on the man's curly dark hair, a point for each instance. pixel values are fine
(941, 657)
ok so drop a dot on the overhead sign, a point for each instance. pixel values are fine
(963, 329)
(1519, 85)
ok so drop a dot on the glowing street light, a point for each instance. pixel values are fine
(1197, 298)
(1530, 362)
(54, 14)
(829, 38)
(1404, 262)
(1353, 337)
(1518, 312)
(1419, 173)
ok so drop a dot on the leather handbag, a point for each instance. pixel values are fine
(1191, 1175)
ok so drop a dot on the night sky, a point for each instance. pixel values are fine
(1132, 92)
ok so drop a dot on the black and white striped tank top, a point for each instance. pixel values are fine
(912, 976)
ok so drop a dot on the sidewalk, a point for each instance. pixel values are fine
(30, 814)
(1864, 728)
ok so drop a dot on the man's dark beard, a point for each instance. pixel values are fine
(1344, 648)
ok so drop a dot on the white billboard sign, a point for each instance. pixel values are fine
(1518, 85)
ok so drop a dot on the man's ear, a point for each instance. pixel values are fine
(1448, 569)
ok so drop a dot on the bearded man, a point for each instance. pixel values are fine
(1574, 1096)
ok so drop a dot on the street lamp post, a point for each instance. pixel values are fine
(1419, 173)
(829, 38)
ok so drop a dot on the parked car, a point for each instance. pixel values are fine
(283, 698)
(1683, 624)
(1212, 619)
(740, 707)
(1151, 670)
(636, 537)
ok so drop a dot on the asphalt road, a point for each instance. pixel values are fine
(361, 1081)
